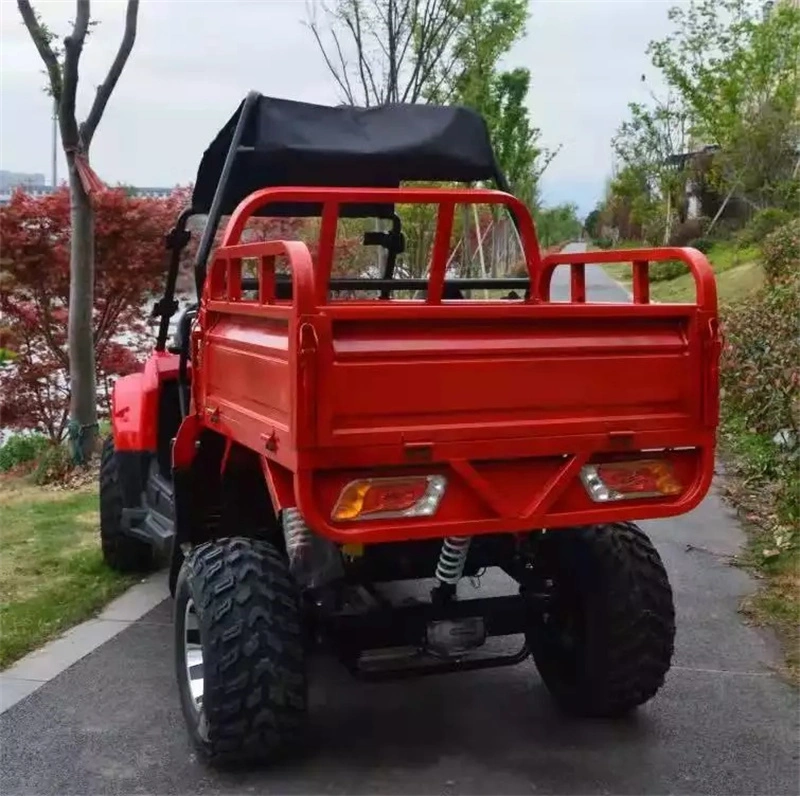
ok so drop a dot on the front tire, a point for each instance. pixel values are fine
(604, 645)
(122, 553)
(239, 654)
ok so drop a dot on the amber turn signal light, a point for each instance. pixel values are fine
(644, 478)
(384, 498)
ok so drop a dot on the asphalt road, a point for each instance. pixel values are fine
(723, 724)
(599, 286)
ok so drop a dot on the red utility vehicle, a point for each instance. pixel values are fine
(301, 459)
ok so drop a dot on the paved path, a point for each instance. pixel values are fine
(723, 724)
(599, 285)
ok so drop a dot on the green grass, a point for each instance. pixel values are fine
(52, 575)
(763, 482)
(765, 487)
(724, 256)
(735, 267)
(732, 284)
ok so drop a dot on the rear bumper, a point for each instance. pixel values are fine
(513, 495)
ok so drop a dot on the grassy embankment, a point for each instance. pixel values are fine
(52, 575)
(762, 483)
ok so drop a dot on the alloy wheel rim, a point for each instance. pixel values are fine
(193, 655)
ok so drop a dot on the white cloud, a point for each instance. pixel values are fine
(195, 59)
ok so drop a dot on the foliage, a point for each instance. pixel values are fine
(381, 51)
(439, 51)
(559, 224)
(733, 82)
(130, 265)
(487, 32)
(763, 481)
(62, 65)
(781, 252)
(515, 140)
(35, 293)
(21, 449)
(647, 142)
(629, 206)
(53, 465)
(702, 244)
(734, 65)
(761, 362)
(762, 223)
(666, 270)
(592, 223)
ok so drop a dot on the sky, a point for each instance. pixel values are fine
(194, 60)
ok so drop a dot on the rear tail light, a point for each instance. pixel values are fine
(645, 478)
(384, 498)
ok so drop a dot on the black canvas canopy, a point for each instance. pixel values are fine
(277, 142)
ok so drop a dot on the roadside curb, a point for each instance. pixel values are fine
(40, 666)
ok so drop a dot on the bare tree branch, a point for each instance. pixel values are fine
(399, 46)
(409, 27)
(73, 45)
(352, 19)
(42, 41)
(349, 90)
(341, 78)
(105, 89)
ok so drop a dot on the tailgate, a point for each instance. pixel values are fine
(519, 372)
(513, 406)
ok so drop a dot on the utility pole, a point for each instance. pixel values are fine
(54, 163)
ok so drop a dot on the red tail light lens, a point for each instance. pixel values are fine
(382, 498)
(644, 478)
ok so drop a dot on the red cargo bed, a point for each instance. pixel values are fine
(509, 401)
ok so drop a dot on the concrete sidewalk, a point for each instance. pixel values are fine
(40, 666)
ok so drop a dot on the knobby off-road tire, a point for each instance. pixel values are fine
(120, 552)
(248, 614)
(605, 645)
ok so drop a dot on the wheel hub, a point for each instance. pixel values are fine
(193, 655)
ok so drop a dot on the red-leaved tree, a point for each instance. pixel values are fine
(130, 270)
(34, 296)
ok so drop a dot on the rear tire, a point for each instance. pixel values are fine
(605, 644)
(242, 610)
(120, 552)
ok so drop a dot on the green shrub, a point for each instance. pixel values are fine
(701, 244)
(780, 252)
(760, 371)
(762, 223)
(666, 270)
(53, 465)
(22, 449)
(604, 243)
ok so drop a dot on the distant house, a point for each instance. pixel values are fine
(694, 188)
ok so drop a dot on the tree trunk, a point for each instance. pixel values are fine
(82, 376)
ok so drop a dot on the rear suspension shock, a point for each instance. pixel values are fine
(314, 561)
(450, 567)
